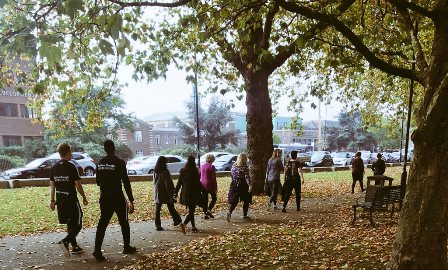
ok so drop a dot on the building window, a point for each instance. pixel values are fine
(26, 112)
(139, 153)
(175, 140)
(9, 110)
(167, 139)
(12, 140)
(137, 125)
(138, 136)
(157, 139)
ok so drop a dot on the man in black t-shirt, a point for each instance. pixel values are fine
(64, 181)
(293, 180)
(110, 174)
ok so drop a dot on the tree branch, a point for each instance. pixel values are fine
(414, 7)
(268, 26)
(229, 53)
(373, 60)
(150, 4)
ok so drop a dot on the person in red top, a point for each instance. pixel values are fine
(357, 171)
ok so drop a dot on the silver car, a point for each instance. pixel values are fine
(87, 163)
(146, 166)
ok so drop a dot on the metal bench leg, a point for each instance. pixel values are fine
(371, 218)
(354, 216)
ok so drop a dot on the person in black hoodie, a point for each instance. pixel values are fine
(110, 174)
(191, 194)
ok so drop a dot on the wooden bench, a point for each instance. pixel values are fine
(378, 198)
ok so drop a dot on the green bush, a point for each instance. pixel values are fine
(12, 151)
(183, 151)
(34, 149)
(94, 150)
(7, 163)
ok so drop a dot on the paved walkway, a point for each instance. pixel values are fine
(41, 252)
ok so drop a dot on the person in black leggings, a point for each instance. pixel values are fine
(293, 180)
(240, 187)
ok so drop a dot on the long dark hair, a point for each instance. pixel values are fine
(161, 165)
(191, 163)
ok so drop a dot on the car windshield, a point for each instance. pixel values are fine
(151, 160)
(340, 155)
(35, 163)
(317, 156)
(365, 155)
(224, 158)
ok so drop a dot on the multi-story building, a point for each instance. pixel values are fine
(140, 140)
(165, 138)
(16, 119)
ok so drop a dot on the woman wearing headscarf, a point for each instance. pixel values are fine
(164, 194)
(191, 192)
(240, 187)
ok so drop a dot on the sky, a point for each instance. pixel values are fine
(170, 95)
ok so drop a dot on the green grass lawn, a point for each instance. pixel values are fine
(26, 210)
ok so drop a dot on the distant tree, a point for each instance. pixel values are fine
(276, 139)
(351, 135)
(387, 134)
(34, 149)
(123, 151)
(212, 123)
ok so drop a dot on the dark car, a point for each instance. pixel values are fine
(225, 163)
(38, 168)
(320, 159)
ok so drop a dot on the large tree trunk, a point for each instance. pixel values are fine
(259, 127)
(421, 240)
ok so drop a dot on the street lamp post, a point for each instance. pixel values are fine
(408, 124)
(196, 101)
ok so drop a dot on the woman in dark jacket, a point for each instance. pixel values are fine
(240, 187)
(164, 194)
(191, 193)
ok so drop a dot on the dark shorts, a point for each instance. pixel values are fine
(69, 212)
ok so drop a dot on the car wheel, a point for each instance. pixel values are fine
(151, 172)
(30, 176)
(89, 171)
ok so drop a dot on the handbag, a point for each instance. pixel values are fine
(267, 188)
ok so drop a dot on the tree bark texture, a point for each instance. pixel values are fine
(259, 128)
(421, 240)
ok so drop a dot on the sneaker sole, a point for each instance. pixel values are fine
(64, 249)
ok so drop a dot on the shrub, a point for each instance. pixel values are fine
(7, 163)
(183, 151)
(12, 151)
(123, 151)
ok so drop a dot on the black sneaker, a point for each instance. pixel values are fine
(206, 216)
(129, 250)
(64, 247)
(98, 256)
(283, 210)
(210, 215)
(77, 250)
(160, 229)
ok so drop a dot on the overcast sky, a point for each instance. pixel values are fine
(144, 99)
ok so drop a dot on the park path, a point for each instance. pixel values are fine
(40, 251)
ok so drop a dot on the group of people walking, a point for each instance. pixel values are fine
(293, 180)
(194, 186)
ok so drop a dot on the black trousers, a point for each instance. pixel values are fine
(108, 208)
(357, 177)
(292, 184)
(173, 213)
(190, 216)
(245, 207)
(212, 202)
(71, 214)
(274, 187)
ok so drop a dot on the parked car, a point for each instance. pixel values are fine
(87, 163)
(367, 156)
(136, 160)
(225, 163)
(38, 168)
(394, 157)
(342, 158)
(320, 159)
(174, 164)
(215, 154)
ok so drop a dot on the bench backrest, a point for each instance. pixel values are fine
(386, 195)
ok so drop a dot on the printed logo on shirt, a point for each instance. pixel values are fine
(106, 167)
(61, 178)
